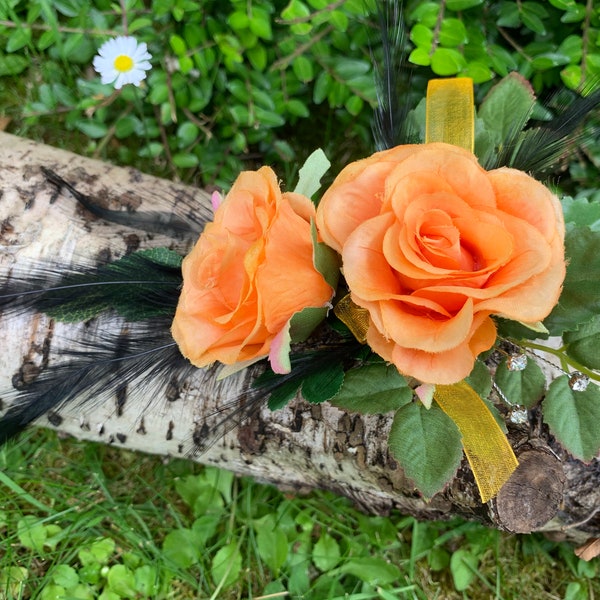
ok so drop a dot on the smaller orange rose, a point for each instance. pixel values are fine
(432, 245)
(249, 273)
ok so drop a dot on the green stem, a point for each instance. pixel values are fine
(564, 359)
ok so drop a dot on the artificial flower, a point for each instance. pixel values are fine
(432, 245)
(249, 273)
(122, 60)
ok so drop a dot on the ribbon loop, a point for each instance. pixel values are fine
(490, 455)
(450, 114)
(355, 318)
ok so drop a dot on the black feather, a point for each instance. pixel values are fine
(188, 223)
(138, 286)
(539, 150)
(393, 79)
(97, 370)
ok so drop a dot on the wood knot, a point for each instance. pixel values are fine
(533, 494)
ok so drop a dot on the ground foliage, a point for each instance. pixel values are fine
(84, 520)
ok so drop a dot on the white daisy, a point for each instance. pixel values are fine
(122, 60)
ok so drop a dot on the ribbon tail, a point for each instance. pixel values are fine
(490, 455)
(450, 112)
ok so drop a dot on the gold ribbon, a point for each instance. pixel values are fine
(490, 455)
(450, 114)
(355, 318)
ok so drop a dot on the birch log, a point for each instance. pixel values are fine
(298, 448)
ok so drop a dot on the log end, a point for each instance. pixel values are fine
(533, 494)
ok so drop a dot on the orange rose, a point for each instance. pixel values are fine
(249, 273)
(432, 245)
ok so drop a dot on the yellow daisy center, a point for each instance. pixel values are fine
(123, 63)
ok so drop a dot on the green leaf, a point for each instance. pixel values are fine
(350, 68)
(139, 23)
(453, 33)
(370, 569)
(268, 118)
(297, 11)
(65, 575)
(99, 552)
(181, 547)
(226, 565)
(580, 300)
(125, 126)
(146, 581)
(480, 379)
(583, 344)
(322, 87)
(354, 105)
(297, 108)
(121, 581)
(581, 212)
(420, 56)
(178, 45)
(463, 566)
(573, 417)
(326, 553)
(187, 133)
(304, 322)
(260, 24)
(272, 544)
(18, 38)
(421, 36)
(427, 444)
(311, 172)
(447, 61)
(238, 20)
(507, 107)
(283, 394)
(524, 387)
(548, 60)
(185, 160)
(339, 20)
(92, 129)
(462, 4)
(531, 17)
(478, 72)
(372, 389)
(12, 64)
(324, 384)
(303, 68)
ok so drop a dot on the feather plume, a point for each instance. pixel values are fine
(539, 150)
(186, 221)
(100, 369)
(392, 79)
(141, 285)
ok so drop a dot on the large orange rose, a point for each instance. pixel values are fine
(249, 273)
(432, 245)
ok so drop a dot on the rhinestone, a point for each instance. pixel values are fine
(518, 415)
(578, 382)
(516, 362)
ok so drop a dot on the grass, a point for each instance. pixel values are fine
(83, 520)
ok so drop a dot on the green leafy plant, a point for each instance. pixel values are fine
(230, 81)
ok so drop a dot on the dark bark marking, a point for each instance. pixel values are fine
(141, 430)
(170, 428)
(54, 418)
